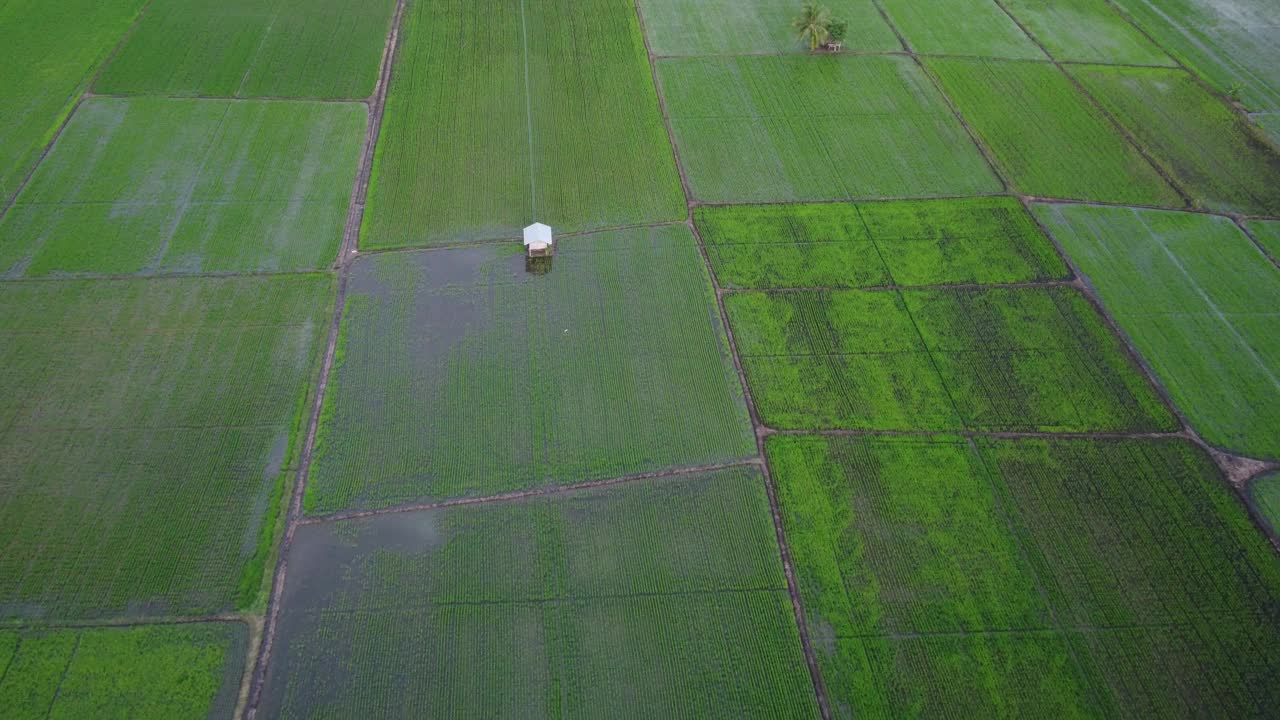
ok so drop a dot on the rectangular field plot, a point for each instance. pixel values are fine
(920, 242)
(460, 373)
(1034, 359)
(49, 53)
(1218, 158)
(1046, 136)
(143, 186)
(148, 672)
(1028, 578)
(1227, 43)
(726, 27)
(652, 598)
(995, 359)
(1086, 31)
(502, 112)
(328, 49)
(146, 428)
(961, 27)
(752, 129)
(1201, 304)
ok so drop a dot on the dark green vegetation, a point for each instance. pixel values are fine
(1202, 305)
(484, 134)
(716, 27)
(960, 27)
(1267, 234)
(921, 242)
(753, 129)
(153, 185)
(1229, 43)
(983, 359)
(653, 598)
(68, 40)
(148, 672)
(1028, 578)
(253, 48)
(143, 428)
(1218, 157)
(1086, 31)
(461, 374)
(1265, 494)
(1046, 136)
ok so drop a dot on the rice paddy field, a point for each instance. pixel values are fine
(929, 372)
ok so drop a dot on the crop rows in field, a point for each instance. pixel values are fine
(146, 430)
(1264, 494)
(1028, 577)
(961, 27)
(149, 672)
(251, 48)
(1267, 234)
(768, 128)
(1046, 136)
(156, 185)
(719, 27)
(459, 373)
(1226, 43)
(501, 112)
(1202, 305)
(655, 597)
(70, 39)
(910, 242)
(1086, 31)
(983, 359)
(1214, 154)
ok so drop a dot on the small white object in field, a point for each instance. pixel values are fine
(538, 240)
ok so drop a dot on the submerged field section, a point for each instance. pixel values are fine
(933, 372)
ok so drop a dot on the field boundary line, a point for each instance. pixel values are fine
(125, 622)
(1187, 200)
(257, 52)
(784, 551)
(508, 239)
(66, 120)
(9, 663)
(517, 495)
(856, 52)
(1275, 260)
(997, 434)
(528, 114)
(232, 99)
(355, 216)
(66, 669)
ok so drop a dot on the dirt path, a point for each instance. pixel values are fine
(351, 233)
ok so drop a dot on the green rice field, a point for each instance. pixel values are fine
(889, 359)
(151, 672)
(668, 592)
(582, 372)
(1202, 305)
(814, 130)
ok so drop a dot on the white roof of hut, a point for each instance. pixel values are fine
(537, 234)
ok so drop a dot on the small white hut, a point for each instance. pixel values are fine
(537, 240)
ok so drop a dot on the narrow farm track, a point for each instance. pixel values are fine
(793, 590)
(346, 252)
(97, 73)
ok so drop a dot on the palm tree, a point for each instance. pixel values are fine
(812, 24)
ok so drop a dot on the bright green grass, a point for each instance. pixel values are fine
(961, 27)
(253, 48)
(154, 185)
(454, 159)
(1031, 578)
(143, 429)
(989, 359)
(723, 27)
(1219, 158)
(1046, 136)
(910, 242)
(49, 53)
(164, 672)
(652, 598)
(1086, 31)
(461, 374)
(1267, 233)
(1225, 42)
(753, 129)
(1201, 304)
(1265, 494)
